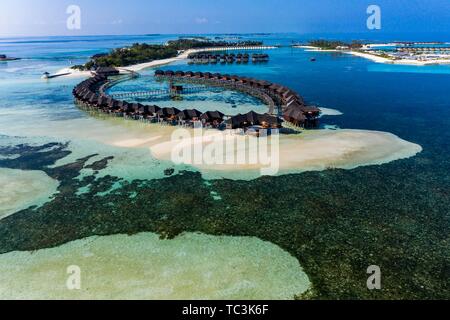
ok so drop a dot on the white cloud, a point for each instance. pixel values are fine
(118, 21)
(201, 20)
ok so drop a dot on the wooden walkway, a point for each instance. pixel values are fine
(254, 92)
(202, 86)
(158, 92)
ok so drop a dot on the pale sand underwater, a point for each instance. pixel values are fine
(309, 151)
(329, 112)
(192, 266)
(22, 189)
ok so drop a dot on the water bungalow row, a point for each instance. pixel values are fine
(205, 58)
(291, 106)
(424, 49)
(87, 94)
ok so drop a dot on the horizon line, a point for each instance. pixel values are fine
(224, 33)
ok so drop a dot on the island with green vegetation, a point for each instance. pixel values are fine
(142, 52)
(335, 45)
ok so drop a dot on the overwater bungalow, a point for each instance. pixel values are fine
(288, 96)
(294, 116)
(122, 105)
(179, 74)
(153, 110)
(238, 121)
(106, 71)
(252, 118)
(274, 87)
(264, 84)
(87, 96)
(235, 78)
(102, 102)
(134, 109)
(168, 113)
(189, 115)
(142, 111)
(109, 100)
(243, 80)
(169, 73)
(113, 105)
(212, 118)
(311, 111)
(93, 100)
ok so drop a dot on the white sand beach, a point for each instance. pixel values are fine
(191, 266)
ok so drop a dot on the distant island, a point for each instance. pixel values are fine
(335, 45)
(143, 53)
(406, 53)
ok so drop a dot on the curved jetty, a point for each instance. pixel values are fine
(284, 103)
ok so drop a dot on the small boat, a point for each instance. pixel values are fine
(5, 58)
(313, 59)
(47, 75)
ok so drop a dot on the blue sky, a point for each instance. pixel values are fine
(48, 17)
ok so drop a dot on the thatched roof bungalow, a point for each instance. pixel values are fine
(153, 110)
(311, 111)
(190, 114)
(251, 119)
(212, 116)
(168, 113)
(295, 116)
(106, 71)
